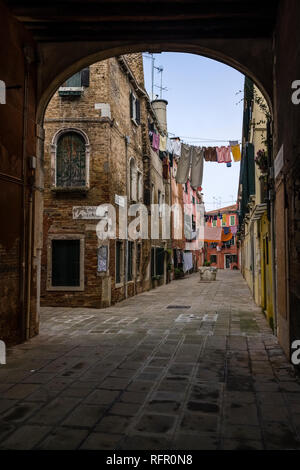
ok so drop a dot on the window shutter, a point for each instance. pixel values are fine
(74, 81)
(85, 77)
(131, 104)
(138, 111)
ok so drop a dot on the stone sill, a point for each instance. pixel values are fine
(74, 189)
(66, 288)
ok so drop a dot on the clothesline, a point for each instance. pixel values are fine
(190, 157)
(201, 139)
(223, 202)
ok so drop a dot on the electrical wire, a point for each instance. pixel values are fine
(201, 139)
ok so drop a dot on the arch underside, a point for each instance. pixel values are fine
(252, 57)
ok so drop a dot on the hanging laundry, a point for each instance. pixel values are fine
(212, 234)
(183, 168)
(162, 155)
(197, 166)
(176, 147)
(170, 146)
(233, 230)
(226, 230)
(187, 261)
(223, 154)
(171, 159)
(163, 143)
(226, 237)
(235, 150)
(224, 218)
(155, 142)
(210, 154)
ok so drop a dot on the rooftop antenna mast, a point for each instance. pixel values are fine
(150, 55)
(160, 70)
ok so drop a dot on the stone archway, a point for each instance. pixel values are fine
(252, 58)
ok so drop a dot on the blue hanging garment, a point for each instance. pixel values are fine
(228, 164)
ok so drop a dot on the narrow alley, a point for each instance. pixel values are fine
(188, 365)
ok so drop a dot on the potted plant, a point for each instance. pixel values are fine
(157, 280)
(261, 161)
(178, 272)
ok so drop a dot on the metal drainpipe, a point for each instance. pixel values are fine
(126, 230)
(24, 229)
(274, 284)
(27, 335)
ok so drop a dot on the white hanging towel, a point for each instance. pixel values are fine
(197, 167)
(183, 168)
(187, 261)
(176, 147)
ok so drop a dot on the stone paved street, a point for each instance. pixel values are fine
(189, 365)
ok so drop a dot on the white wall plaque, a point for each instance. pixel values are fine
(120, 200)
(85, 212)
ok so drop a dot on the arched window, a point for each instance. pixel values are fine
(71, 160)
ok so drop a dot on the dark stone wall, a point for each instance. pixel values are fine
(287, 133)
(17, 142)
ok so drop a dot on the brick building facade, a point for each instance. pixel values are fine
(97, 151)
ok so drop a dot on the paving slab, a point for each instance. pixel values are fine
(145, 375)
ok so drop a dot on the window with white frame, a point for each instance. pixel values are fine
(135, 110)
(74, 85)
(232, 220)
(70, 160)
(65, 262)
(70, 154)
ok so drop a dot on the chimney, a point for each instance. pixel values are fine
(160, 108)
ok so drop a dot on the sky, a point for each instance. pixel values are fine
(204, 102)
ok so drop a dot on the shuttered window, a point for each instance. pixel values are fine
(130, 261)
(152, 262)
(70, 160)
(74, 81)
(79, 79)
(66, 263)
(118, 261)
(85, 77)
(160, 258)
(135, 108)
(138, 259)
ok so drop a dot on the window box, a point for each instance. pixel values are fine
(70, 189)
(70, 91)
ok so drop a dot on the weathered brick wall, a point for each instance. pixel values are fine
(109, 164)
(17, 142)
